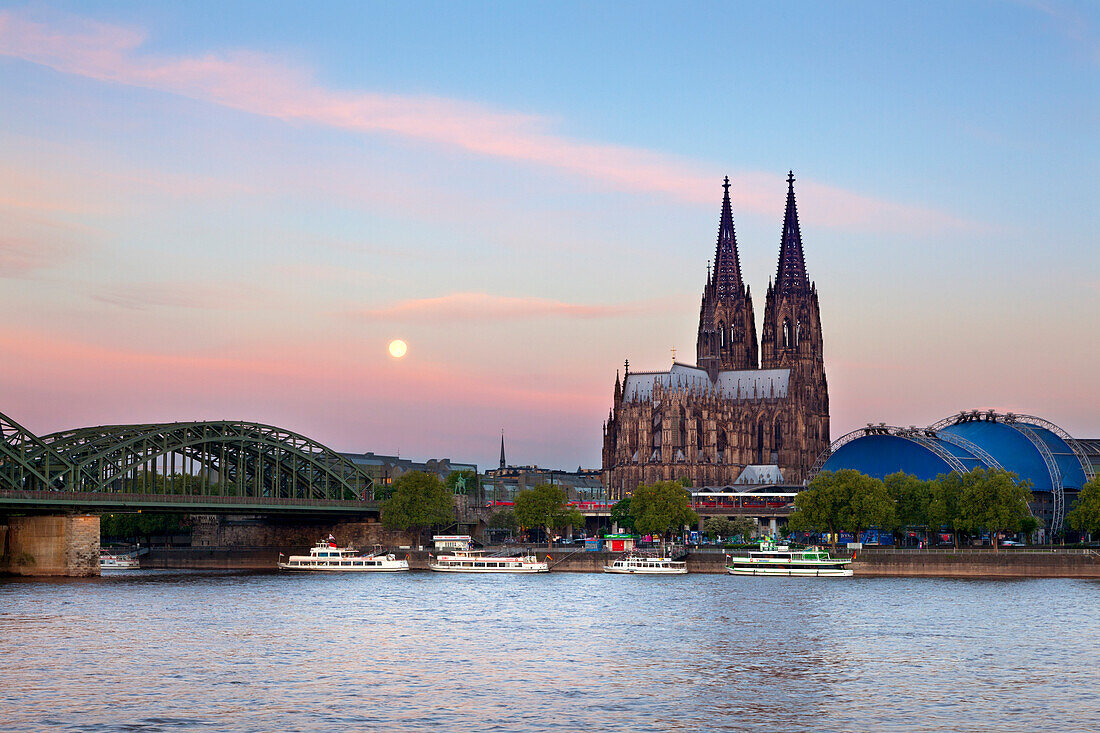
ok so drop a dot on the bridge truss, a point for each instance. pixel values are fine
(186, 464)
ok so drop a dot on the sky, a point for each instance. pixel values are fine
(216, 210)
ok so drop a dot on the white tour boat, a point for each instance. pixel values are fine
(641, 565)
(475, 561)
(118, 562)
(773, 559)
(325, 556)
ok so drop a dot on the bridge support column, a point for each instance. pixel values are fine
(51, 545)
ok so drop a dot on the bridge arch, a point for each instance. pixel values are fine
(198, 462)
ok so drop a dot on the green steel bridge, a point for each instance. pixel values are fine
(223, 467)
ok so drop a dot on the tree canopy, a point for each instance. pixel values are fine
(505, 519)
(742, 527)
(419, 501)
(661, 508)
(620, 514)
(844, 500)
(964, 503)
(912, 497)
(1085, 516)
(545, 506)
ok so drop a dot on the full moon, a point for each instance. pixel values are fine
(398, 348)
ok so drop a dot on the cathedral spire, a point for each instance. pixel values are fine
(791, 276)
(727, 263)
(503, 463)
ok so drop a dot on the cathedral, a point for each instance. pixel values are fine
(745, 413)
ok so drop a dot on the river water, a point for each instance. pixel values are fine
(166, 650)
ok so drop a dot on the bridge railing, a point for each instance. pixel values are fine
(122, 499)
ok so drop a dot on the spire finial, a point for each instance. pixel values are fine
(727, 262)
(791, 274)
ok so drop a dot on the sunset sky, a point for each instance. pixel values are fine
(229, 210)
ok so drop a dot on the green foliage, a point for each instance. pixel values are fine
(419, 501)
(844, 500)
(743, 527)
(139, 525)
(620, 514)
(1028, 525)
(912, 498)
(661, 508)
(545, 506)
(504, 519)
(1085, 516)
(981, 500)
(715, 527)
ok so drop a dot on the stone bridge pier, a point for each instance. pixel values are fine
(60, 544)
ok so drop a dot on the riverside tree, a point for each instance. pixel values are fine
(620, 514)
(844, 500)
(981, 500)
(1085, 516)
(742, 527)
(661, 508)
(504, 521)
(419, 501)
(545, 506)
(912, 499)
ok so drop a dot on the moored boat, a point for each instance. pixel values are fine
(325, 556)
(475, 561)
(642, 565)
(781, 560)
(108, 561)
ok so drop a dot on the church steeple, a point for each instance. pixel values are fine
(503, 463)
(790, 275)
(727, 261)
(727, 326)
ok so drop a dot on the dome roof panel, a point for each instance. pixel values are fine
(1011, 447)
(881, 455)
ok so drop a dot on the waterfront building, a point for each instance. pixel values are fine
(383, 469)
(1036, 450)
(742, 404)
(504, 482)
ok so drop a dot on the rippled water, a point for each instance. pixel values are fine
(166, 650)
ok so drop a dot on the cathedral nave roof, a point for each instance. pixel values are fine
(745, 384)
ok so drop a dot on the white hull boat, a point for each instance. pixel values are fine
(638, 565)
(471, 561)
(327, 557)
(118, 562)
(782, 561)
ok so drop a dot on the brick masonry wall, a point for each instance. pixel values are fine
(52, 545)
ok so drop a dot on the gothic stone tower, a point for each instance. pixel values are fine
(727, 326)
(708, 423)
(792, 340)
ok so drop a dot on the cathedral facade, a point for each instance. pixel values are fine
(748, 411)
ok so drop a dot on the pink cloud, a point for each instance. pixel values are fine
(487, 307)
(263, 85)
(21, 256)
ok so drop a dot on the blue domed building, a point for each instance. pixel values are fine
(1056, 464)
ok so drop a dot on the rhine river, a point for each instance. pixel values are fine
(166, 651)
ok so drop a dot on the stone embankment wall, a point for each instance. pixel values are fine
(961, 564)
(51, 545)
(251, 532)
(1004, 563)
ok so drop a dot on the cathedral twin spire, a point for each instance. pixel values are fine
(727, 324)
